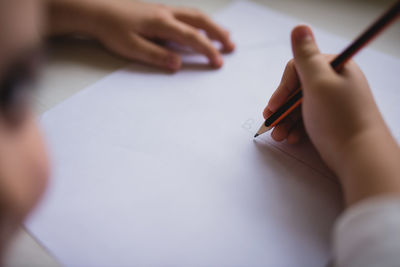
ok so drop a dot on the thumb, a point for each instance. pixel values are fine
(309, 62)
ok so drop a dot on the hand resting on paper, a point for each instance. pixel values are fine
(132, 28)
(340, 117)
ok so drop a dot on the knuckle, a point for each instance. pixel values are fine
(320, 83)
(316, 58)
(308, 51)
(351, 69)
(134, 47)
(191, 35)
(161, 16)
(329, 57)
(150, 54)
(352, 64)
(290, 64)
(133, 42)
(150, 57)
(197, 13)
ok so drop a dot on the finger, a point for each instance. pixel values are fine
(281, 131)
(296, 134)
(289, 83)
(267, 113)
(309, 61)
(138, 48)
(294, 137)
(294, 117)
(200, 20)
(184, 34)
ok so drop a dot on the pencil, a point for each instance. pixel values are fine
(337, 64)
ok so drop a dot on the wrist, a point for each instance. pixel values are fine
(73, 17)
(369, 165)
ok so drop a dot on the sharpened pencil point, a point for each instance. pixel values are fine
(256, 135)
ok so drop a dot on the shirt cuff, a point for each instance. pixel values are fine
(368, 234)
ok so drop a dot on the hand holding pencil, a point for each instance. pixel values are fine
(294, 100)
(336, 107)
(339, 115)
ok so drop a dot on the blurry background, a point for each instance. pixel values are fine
(74, 64)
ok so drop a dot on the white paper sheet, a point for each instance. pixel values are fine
(154, 169)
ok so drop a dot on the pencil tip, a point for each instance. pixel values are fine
(256, 135)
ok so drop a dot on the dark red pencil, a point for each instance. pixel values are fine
(337, 64)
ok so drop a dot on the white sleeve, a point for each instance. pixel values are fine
(368, 234)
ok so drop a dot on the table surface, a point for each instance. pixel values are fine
(74, 64)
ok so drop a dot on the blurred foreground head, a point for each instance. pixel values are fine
(23, 162)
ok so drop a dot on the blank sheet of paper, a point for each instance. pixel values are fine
(155, 169)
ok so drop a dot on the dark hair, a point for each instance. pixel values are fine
(16, 86)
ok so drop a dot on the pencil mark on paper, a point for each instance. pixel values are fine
(248, 125)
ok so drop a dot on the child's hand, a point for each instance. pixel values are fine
(341, 118)
(130, 29)
(335, 108)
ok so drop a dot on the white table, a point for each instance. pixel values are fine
(73, 65)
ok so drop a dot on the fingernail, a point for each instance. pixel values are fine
(173, 62)
(302, 33)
